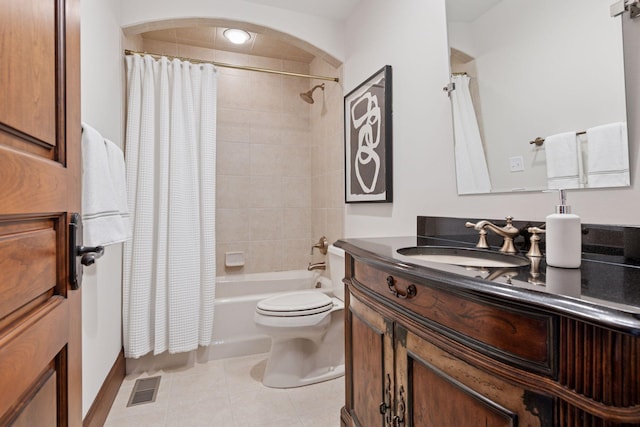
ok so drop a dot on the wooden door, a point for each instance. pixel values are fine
(370, 339)
(40, 131)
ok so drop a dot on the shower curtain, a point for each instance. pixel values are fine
(169, 265)
(471, 165)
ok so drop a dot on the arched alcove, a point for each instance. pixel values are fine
(279, 164)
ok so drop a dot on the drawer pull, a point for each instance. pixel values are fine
(411, 291)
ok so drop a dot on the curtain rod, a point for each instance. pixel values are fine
(237, 67)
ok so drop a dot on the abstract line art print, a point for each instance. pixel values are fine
(368, 133)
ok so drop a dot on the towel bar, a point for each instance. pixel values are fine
(539, 141)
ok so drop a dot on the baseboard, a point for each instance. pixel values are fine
(99, 411)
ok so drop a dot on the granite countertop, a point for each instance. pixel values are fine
(604, 291)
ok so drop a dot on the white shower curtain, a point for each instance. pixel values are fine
(169, 265)
(471, 165)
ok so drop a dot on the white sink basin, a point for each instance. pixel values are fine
(466, 257)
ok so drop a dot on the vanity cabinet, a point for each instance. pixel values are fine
(419, 353)
(420, 384)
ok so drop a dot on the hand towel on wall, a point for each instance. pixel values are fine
(105, 214)
(608, 155)
(563, 164)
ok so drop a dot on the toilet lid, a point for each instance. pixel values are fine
(295, 304)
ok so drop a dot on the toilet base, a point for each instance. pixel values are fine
(288, 381)
(297, 362)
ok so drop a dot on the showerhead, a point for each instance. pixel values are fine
(308, 95)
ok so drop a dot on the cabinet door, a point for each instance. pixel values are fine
(370, 338)
(436, 389)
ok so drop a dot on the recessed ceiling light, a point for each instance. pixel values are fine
(236, 36)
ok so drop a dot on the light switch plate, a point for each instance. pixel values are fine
(516, 164)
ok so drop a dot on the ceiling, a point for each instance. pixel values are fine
(457, 10)
(468, 10)
(333, 9)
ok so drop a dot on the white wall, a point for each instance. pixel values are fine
(102, 108)
(323, 33)
(413, 40)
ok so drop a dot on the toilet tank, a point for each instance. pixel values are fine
(336, 270)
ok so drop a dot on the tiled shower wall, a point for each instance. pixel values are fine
(279, 160)
(327, 156)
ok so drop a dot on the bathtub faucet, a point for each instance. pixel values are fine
(317, 266)
(323, 245)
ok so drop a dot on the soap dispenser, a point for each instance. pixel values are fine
(563, 237)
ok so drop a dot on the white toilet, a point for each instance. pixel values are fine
(307, 332)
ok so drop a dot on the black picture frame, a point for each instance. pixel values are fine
(367, 140)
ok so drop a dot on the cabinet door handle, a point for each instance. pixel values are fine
(398, 420)
(411, 291)
(385, 407)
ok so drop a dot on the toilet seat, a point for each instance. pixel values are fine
(294, 304)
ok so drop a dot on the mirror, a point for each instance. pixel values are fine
(544, 69)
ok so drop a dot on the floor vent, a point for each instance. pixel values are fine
(144, 391)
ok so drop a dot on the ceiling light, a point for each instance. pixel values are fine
(236, 36)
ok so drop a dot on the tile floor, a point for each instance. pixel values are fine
(228, 393)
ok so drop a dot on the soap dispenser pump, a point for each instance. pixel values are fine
(563, 236)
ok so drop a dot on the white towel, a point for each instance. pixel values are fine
(105, 215)
(563, 164)
(608, 150)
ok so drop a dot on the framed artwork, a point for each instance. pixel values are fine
(368, 133)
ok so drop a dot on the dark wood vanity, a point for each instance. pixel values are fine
(444, 345)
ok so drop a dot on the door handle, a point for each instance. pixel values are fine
(89, 254)
(79, 255)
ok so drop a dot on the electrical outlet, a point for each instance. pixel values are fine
(516, 164)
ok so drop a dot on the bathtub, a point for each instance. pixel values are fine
(234, 332)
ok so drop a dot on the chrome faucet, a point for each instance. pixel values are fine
(317, 266)
(508, 232)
